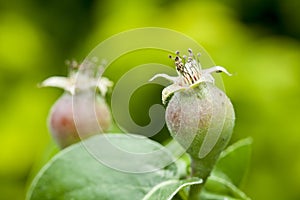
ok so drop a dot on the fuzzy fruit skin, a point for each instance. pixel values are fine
(63, 117)
(192, 114)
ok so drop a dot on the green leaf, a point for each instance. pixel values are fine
(75, 173)
(234, 162)
(212, 196)
(228, 173)
(222, 187)
(168, 189)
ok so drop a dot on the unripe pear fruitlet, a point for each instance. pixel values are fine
(199, 116)
(71, 117)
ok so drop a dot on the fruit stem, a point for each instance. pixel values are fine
(201, 168)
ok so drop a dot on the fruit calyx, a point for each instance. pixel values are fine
(190, 74)
(81, 77)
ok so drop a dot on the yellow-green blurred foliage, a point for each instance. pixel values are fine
(258, 41)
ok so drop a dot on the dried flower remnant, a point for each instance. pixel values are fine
(190, 74)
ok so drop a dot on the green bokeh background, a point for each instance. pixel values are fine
(258, 41)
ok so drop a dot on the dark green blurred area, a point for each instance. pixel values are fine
(256, 40)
